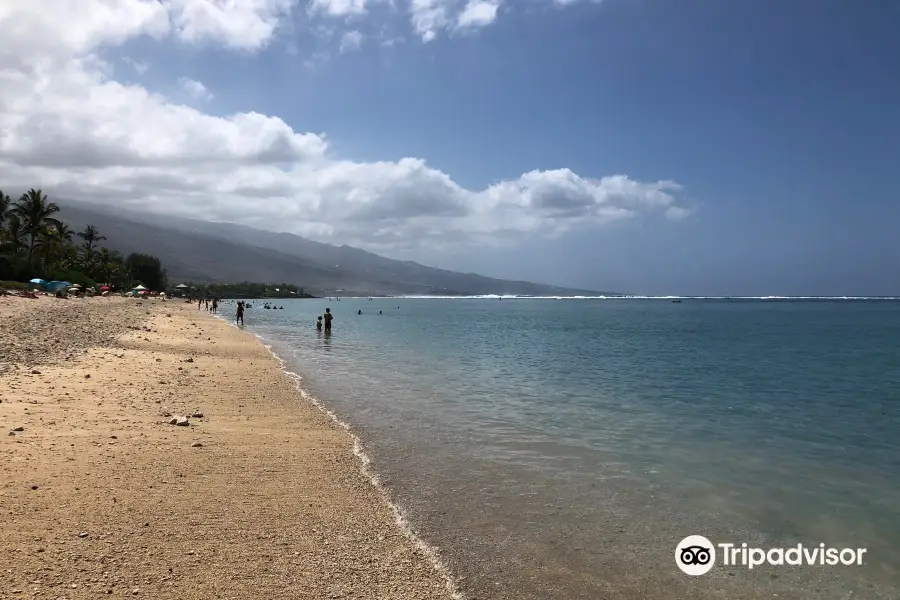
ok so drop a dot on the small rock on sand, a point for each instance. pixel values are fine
(197, 415)
(18, 428)
(196, 445)
(182, 422)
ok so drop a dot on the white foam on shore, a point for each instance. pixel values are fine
(633, 297)
(430, 552)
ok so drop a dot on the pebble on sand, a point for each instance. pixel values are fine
(196, 445)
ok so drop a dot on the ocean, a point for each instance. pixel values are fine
(562, 448)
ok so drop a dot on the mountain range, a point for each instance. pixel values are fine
(208, 252)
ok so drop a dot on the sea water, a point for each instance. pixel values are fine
(554, 448)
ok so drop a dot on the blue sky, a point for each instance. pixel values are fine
(779, 120)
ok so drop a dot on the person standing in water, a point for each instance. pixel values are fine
(328, 318)
(240, 313)
(318, 323)
(215, 305)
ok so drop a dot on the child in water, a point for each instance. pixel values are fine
(318, 323)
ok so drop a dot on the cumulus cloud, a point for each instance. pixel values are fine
(428, 18)
(70, 127)
(338, 8)
(478, 13)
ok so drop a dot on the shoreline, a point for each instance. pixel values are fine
(102, 495)
(429, 551)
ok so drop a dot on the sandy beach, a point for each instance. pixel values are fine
(260, 496)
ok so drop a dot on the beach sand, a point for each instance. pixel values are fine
(100, 495)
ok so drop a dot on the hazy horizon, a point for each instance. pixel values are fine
(131, 213)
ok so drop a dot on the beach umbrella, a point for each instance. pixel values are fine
(38, 281)
(74, 288)
(77, 285)
(104, 288)
(140, 287)
(180, 286)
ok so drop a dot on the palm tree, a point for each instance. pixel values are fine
(54, 246)
(13, 235)
(64, 233)
(5, 207)
(91, 236)
(47, 247)
(35, 212)
(107, 260)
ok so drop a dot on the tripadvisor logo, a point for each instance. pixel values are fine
(696, 555)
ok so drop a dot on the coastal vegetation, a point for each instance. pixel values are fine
(246, 289)
(36, 243)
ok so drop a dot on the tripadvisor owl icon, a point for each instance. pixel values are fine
(695, 555)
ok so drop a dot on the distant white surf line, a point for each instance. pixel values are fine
(430, 552)
(510, 297)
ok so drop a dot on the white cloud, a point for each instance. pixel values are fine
(244, 24)
(429, 16)
(351, 40)
(338, 8)
(194, 89)
(71, 128)
(478, 13)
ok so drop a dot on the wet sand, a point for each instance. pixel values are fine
(260, 497)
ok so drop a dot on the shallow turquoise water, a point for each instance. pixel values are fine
(562, 448)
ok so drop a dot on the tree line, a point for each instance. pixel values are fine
(245, 289)
(34, 242)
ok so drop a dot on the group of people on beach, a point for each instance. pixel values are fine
(323, 322)
(212, 307)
